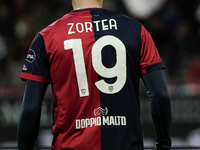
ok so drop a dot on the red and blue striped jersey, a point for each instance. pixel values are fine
(93, 58)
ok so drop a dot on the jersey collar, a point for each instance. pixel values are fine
(86, 9)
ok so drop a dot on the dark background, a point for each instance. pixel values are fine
(175, 28)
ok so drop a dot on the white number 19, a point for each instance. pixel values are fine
(119, 70)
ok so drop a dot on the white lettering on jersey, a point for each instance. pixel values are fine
(24, 68)
(101, 25)
(70, 29)
(88, 26)
(97, 24)
(106, 24)
(101, 120)
(113, 24)
(79, 27)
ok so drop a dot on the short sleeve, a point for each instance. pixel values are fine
(36, 66)
(150, 58)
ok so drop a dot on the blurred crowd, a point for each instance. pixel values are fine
(173, 24)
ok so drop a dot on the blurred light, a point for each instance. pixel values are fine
(198, 13)
(194, 137)
(3, 48)
(21, 29)
(143, 9)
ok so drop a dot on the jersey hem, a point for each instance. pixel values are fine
(158, 65)
(28, 76)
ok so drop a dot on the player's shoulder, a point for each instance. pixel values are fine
(124, 18)
(53, 26)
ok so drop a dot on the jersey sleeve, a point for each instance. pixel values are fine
(150, 59)
(36, 66)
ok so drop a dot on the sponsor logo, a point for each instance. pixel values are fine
(31, 56)
(24, 68)
(101, 119)
(100, 111)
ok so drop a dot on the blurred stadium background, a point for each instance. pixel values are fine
(175, 28)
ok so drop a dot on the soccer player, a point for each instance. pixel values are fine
(94, 59)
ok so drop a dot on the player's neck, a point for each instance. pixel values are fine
(88, 4)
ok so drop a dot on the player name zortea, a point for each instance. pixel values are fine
(98, 25)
